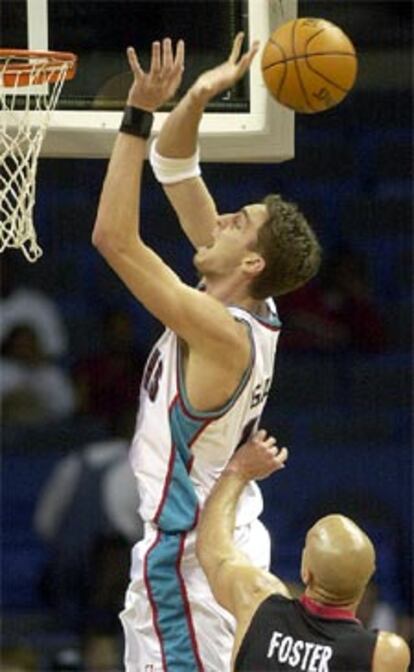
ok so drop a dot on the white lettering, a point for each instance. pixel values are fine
(296, 653)
(285, 649)
(311, 657)
(308, 649)
(316, 654)
(326, 655)
(274, 643)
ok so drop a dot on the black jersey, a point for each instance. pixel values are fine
(300, 635)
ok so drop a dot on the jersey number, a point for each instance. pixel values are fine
(152, 375)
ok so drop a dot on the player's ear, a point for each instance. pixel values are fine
(304, 571)
(253, 264)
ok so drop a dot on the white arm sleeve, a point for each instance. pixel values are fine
(169, 171)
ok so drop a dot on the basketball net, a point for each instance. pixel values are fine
(30, 86)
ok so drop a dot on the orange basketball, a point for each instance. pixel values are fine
(309, 65)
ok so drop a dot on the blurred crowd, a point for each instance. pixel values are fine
(86, 514)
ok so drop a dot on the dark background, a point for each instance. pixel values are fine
(345, 414)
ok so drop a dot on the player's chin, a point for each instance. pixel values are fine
(199, 260)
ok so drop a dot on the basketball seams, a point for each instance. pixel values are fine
(309, 83)
(296, 65)
(306, 56)
(283, 77)
(309, 40)
(278, 45)
(323, 76)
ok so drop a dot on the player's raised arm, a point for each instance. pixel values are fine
(118, 212)
(196, 317)
(174, 155)
(236, 584)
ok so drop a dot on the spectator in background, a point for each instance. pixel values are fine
(335, 312)
(107, 382)
(18, 659)
(32, 389)
(22, 305)
(87, 514)
(376, 614)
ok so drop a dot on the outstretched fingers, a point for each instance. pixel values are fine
(245, 61)
(179, 56)
(247, 58)
(163, 61)
(236, 48)
(167, 55)
(155, 69)
(134, 63)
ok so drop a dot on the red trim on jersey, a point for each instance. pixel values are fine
(189, 466)
(263, 321)
(151, 600)
(198, 432)
(166, 484)
(187, 604)
(327, 610)
(168, 474)
(267, 325)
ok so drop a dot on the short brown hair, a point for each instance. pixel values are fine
(289, 247)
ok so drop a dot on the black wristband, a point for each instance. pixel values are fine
(136, 122)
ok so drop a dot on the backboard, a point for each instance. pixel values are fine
(244, 124)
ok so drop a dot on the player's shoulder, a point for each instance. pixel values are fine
(264, 318)
(392, 653)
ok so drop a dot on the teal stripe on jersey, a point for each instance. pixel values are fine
(179, 507)
(169, 601)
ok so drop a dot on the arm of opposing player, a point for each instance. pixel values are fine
(392, 654)
(236, 584)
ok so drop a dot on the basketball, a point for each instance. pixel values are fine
(309, 65)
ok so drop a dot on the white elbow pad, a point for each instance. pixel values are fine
(169, 171)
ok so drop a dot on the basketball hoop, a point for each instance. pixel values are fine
(30, 86)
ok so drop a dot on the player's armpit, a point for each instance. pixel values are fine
(392, 654)
(195, 209)
(199, 319)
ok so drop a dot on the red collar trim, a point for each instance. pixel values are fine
(327, 610)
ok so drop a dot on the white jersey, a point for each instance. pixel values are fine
(177, 452)
(171, 620)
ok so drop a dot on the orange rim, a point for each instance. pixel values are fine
(47, 69)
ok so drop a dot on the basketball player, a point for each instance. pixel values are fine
(317, 633)
(207, 378)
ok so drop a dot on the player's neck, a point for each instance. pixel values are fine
(330, 601)
(231, 292)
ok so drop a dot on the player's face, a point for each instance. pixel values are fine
(234, 235)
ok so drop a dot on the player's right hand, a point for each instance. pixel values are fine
(150, 90)
(224, 76)
(258, 457)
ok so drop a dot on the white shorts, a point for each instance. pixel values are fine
(171, 620)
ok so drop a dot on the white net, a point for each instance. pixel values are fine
(30, 86)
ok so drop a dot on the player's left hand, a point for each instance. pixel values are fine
(224, 76)
(258, 457)
(150, 90)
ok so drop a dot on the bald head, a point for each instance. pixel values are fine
(338, 560)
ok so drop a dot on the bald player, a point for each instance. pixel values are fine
(317, 633)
